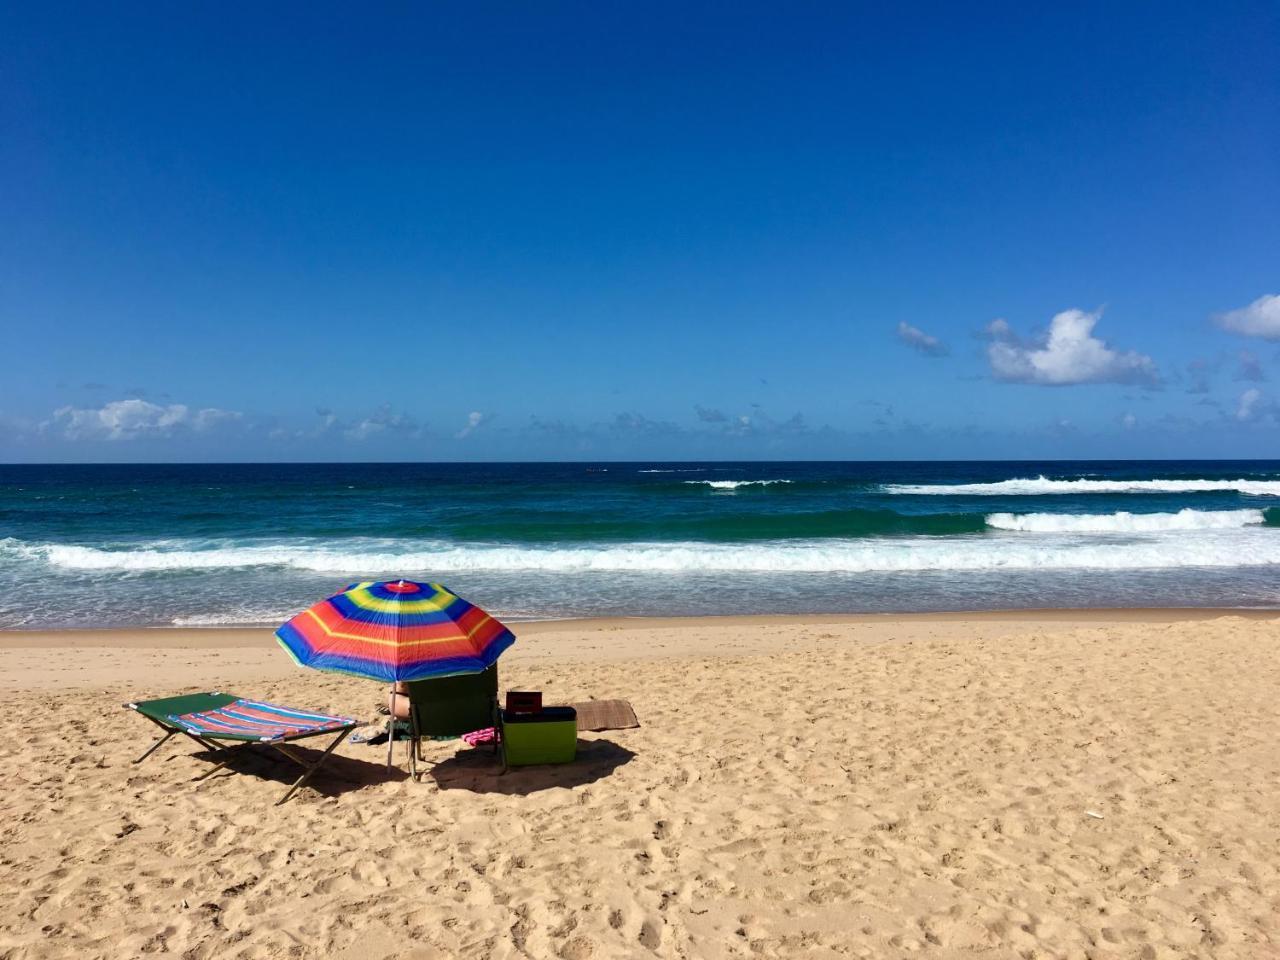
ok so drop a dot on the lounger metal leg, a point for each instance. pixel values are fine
(312, 767)
(206, 744)
(228, 752)
(156, 746)
(169, 732)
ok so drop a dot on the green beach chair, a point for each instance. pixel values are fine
(447, 707)
(212, 717)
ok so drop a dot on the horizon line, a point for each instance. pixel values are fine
(386, 463)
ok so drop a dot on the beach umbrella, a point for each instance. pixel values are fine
(394, 630)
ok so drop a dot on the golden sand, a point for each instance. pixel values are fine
(1019, 786)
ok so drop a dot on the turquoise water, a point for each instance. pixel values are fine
(215, 544)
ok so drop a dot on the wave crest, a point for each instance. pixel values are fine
(1124, 522)
(1206, 548)
(239, 616)
(1039, 486)
(731, 485)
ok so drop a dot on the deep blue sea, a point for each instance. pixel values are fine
(252, 544)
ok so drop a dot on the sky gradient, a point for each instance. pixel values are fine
(575, 232)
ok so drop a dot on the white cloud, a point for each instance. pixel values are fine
(363, 430)
(1129, 421)
(210, 417)
(920, 341)
(1248, 403)
(997, 329)
(130, 419)
(384, 419)
(1259, 319)
(1069, 355)
(475, 420)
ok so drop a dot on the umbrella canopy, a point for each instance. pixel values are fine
(395, 630)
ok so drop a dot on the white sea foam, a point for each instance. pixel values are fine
(1124, 522)
(735, 484)
(1042, 485)
(231, 617)
(1222, 547)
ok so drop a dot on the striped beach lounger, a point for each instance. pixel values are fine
(223, 723)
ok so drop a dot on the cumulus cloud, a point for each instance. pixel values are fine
(1259, 319)
(709, 414)
(134, 418)
(1250, 401)
(1070, 354)
(475, 420)
(920, 341)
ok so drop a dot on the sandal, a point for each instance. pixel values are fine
(403, 732)
(370, 737)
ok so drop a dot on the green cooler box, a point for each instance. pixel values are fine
(549, 736)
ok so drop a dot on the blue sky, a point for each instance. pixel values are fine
(639, 231)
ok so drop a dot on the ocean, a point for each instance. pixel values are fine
(221, 544)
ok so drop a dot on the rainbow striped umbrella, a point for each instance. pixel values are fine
(395, 630)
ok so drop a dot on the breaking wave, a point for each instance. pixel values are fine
(1124, 522)
(237, 617)
(1040, 486)
(1224, 546)
(732, 485)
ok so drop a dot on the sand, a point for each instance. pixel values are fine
(1030, 785)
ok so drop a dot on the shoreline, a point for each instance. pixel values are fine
(182, 637)
(156, 660)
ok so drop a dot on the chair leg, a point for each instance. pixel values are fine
(500, 739)
(415, 746)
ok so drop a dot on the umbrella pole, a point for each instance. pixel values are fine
(391, 728)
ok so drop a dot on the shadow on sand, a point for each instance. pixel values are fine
(339, 774)
(479, 771)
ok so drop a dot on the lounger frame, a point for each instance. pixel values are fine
(227, 751)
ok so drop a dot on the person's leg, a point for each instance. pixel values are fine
(398, 702)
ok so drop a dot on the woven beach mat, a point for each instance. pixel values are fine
(596, 715)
